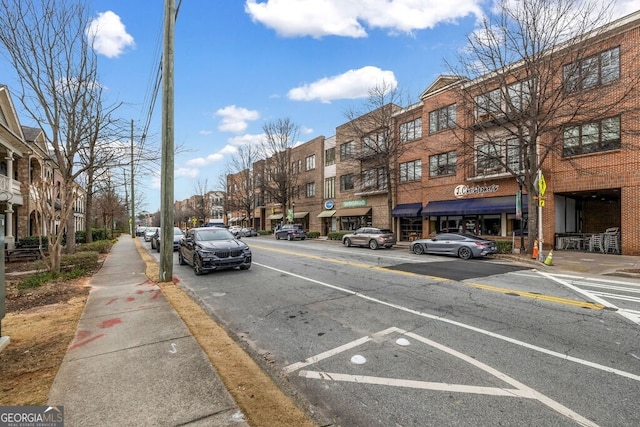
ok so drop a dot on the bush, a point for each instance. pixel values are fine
(33, 241)
(265, 232)
(313, 234)
(504, 246)
(98, 234)
(84, 259)
(100, 246)
(336, 235)
(81, 237)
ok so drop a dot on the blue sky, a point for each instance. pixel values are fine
(242, 63)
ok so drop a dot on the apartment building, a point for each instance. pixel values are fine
(25, 160)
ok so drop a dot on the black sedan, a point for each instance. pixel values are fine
(210, 248)
(464, 246)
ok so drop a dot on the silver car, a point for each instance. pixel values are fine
(464, 246)
(371, 237)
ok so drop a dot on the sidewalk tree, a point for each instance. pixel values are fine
(280, 179)
(521, 79)
(46, 43)
(244, 180)
(378, 147)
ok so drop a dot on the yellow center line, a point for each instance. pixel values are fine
(566, 301)
(583, 304)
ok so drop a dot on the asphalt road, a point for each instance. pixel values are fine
(389, 338)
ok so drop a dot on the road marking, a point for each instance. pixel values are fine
(549, 298)
(514, 341)
(352, 264)
(583, 304)
(518, 390)
(627, 314)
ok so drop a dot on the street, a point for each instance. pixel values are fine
(386, 337)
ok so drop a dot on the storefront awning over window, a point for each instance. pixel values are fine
(353, 212)
(326, 214)
(299, 215)
(275, 216)
(485, 205)
(407, 210)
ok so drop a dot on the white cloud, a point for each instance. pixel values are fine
(319, 18)
(350, 85)
(109, 35)
(205, 132)
(305, 130)
(203, 161)
(188, 172)
(234, 119)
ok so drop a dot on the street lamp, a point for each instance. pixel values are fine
(293, 212)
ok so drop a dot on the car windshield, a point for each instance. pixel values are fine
(214, 234)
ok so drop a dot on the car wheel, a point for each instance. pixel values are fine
(181, 260)
(347, 242)
(465, 253)
(373, 244)
(289, 237)
(158, 248)
(197, 265)
(418, 249)
(277, 237)
(245, 267)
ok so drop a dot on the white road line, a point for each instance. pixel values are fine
(423, 385)
(519, 390)
(465, 326)
(593, 297)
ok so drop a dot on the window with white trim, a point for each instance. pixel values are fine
(411, 171)
(443, 118)
(410, 131)
(442, 164)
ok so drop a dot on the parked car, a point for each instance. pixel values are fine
(464, 246)
(235, 229)
(177, 235)
(371, 237)
(148, 233)
(211, 248)
(290, 232)
(140, 230)
(248, 232)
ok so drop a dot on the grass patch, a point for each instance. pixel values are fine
(42, 278)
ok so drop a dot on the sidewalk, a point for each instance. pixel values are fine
(133, 361)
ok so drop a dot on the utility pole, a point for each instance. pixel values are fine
(166, 207)
(132, 219)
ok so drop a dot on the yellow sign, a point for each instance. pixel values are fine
(542, 186)
(194, 220)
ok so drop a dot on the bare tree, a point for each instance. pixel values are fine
(244, 197)
(522, 77)
(377, 147)
(45, 42)
(280, 136)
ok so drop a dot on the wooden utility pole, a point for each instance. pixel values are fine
(132, 219)
(166, 203)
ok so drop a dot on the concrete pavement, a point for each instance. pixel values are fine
(133, 361)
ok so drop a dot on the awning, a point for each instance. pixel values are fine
(275, 216)
(353, 212)
(326, 214)
(232, 219)
(407, 210)
(485, 205)
(298, 215)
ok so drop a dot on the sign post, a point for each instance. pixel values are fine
(4, 341)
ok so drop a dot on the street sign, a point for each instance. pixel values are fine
(542, 186)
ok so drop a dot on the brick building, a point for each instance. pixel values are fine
(466, 151)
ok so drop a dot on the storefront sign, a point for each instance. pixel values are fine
(355, 203)
(465, 190)
(328, 205)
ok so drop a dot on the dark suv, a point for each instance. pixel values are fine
(290, 232)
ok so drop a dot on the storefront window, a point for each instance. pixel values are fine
(410, 228)
(354, 222)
